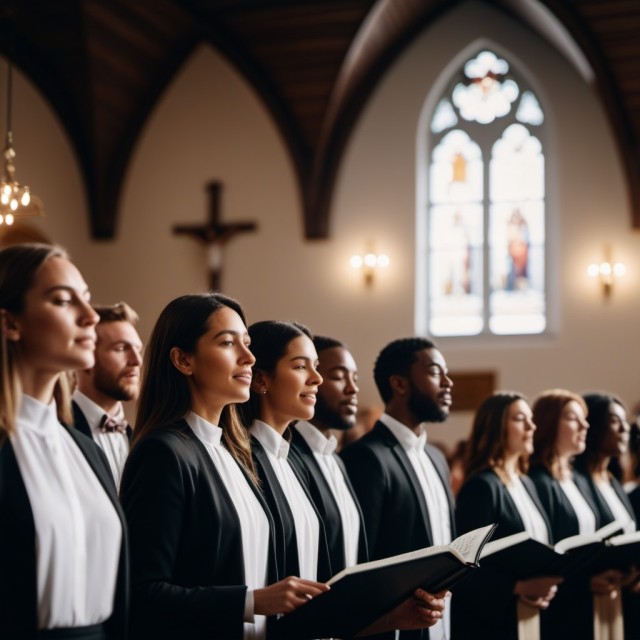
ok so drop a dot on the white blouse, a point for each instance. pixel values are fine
(254, 525)
(115, 445)
(78, 532)
(534, 523)
(304, 516)
(586, 517)
(617, 507)
(323, 449)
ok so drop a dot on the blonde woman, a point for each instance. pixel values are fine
(63, 564)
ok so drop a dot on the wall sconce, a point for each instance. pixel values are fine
(607, 272)
(369, 263)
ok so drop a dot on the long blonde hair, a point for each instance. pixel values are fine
(18, 267)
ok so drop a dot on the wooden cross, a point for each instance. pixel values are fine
(215, 234)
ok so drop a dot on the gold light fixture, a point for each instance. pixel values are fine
(607, 272)
(369, 263)
(16, 201)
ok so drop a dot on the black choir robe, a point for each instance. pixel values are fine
(327, 506)
(18, 588)
(395, 512)
(630, 600)
(571, 612)
(485, 602)
(286, 541)
(187, 564)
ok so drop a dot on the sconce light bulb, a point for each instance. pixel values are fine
(605, 268)
(370, 260)
(13, 204)
(593, 270)
(8, 219)
(383, 261)
(356, 262)
(619, 269)
(26, 198)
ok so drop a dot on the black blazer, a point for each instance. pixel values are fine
(571, 612)
(395, 512)
(286, 542)
(187, 563)
(484, 499)
(484, 602)
(327, 506)
(80, 423)
(18, 588)
(604, 511)
(562, 516)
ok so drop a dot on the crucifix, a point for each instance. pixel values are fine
(214, 234)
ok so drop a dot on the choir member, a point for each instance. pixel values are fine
(63, 552)
(284, 389)
(561, 423)
(202, 537)
(496, 490)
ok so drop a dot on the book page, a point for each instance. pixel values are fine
(625, 538)
(583, 539)
(503, 543)
(470, 544)
(466, 548)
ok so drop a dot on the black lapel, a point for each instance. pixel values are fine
(405, 464)
(80, 422)
(277, 502)
(17, 547)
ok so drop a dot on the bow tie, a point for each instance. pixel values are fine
(111, 425)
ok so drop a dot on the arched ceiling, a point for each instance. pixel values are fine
(103, 64)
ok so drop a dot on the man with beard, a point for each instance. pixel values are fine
(402, 483)
(332, 493)
(115, 377)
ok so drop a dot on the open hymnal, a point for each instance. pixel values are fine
(363, 593)
(524, 557)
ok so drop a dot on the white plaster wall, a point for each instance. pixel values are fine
(210, 124)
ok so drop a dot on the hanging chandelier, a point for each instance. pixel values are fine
(16, 201)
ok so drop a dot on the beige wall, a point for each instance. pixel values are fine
(210, 124)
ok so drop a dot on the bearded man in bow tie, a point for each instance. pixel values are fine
(115, 378)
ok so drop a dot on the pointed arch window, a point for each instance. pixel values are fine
(486, 204)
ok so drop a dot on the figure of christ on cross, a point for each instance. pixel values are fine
(215, 234)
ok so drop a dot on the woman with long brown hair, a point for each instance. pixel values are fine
(496, 490)
(202, 537)
(63, 564)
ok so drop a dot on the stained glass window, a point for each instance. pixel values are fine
(486, 204)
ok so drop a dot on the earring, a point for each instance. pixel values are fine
(263, 390)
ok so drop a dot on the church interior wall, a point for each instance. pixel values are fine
(210, 124)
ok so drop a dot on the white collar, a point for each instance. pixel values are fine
(317, 441)
(204, 430)
(270, 439)
(93, 412)
(408, 440)
(37, 416)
